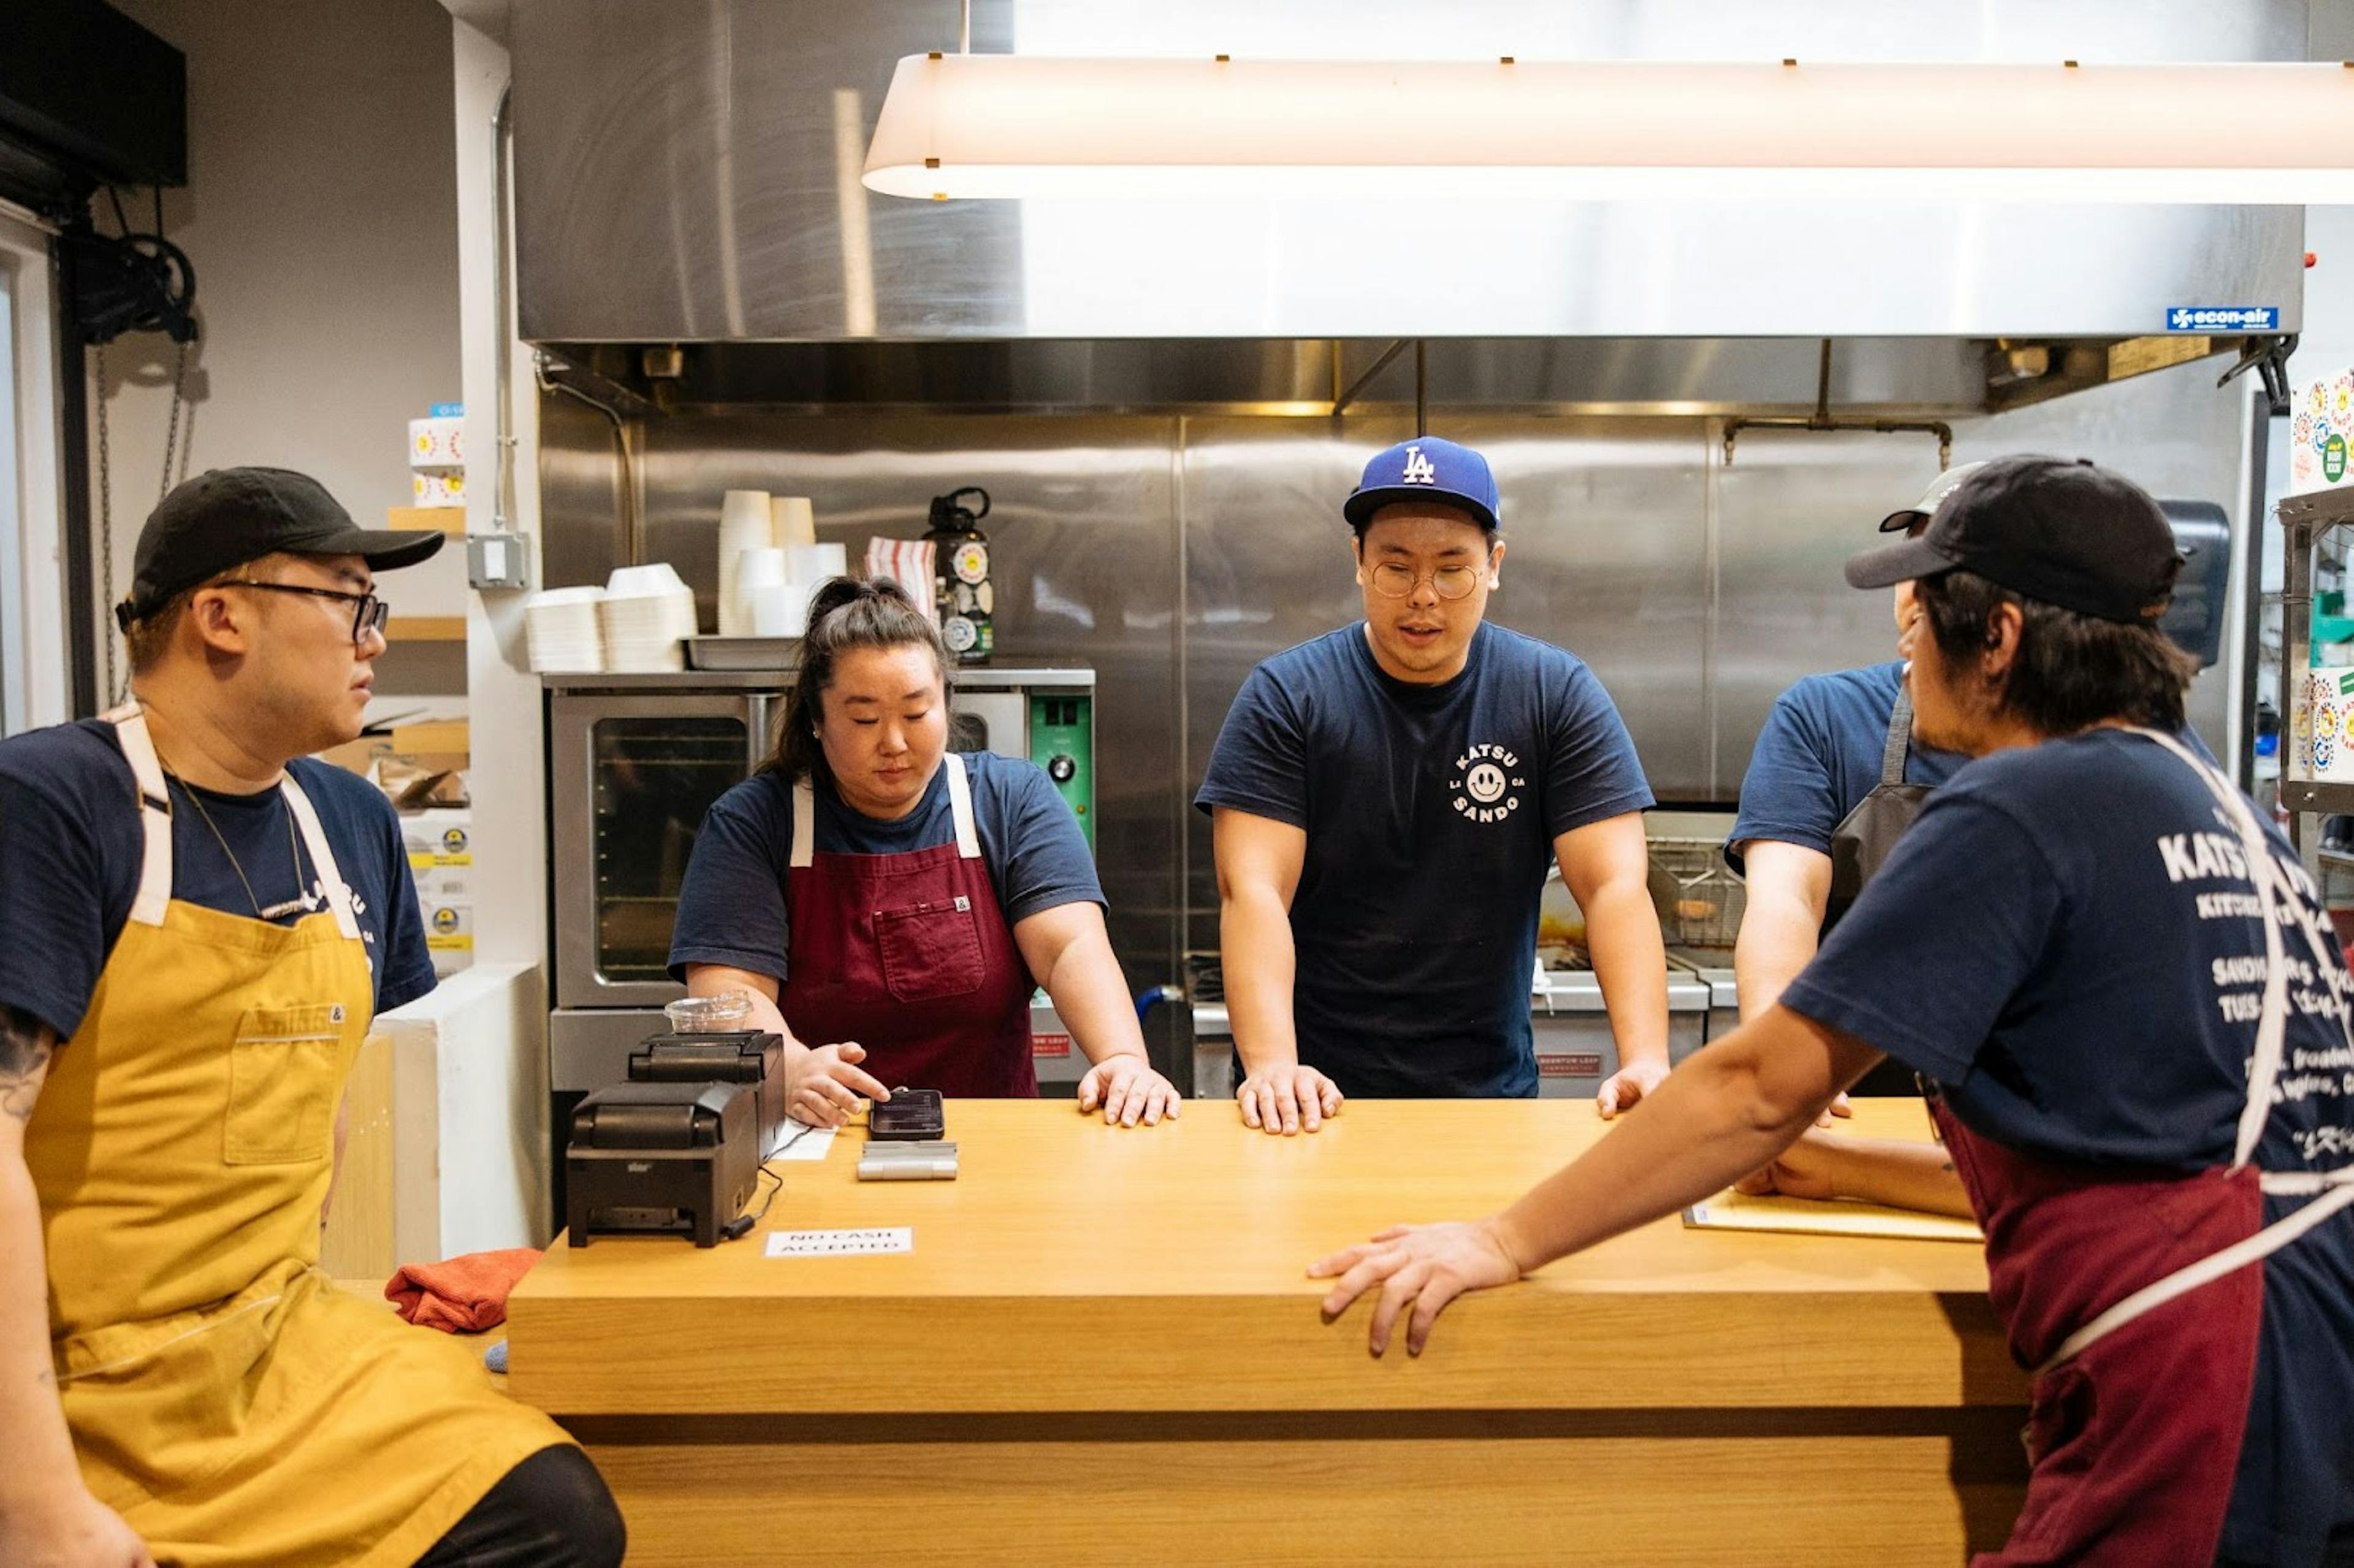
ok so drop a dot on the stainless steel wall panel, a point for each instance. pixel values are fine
(680, 176)
(1794, 505)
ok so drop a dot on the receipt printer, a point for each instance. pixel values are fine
(739, 1056)
(662, 1158)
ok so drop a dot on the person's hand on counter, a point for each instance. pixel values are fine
(1288, 1099)
(1421, 1266)
(824, 1085)
(1625, 1089)
(1129, 1091)
(1897, 1172)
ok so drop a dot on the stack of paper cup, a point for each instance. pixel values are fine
(781, 609)
(756, 571)
(561, 629)
(812, 564)
(793, 520)
(645, 612)
(746, 523)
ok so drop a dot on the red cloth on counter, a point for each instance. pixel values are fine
(462, 1295)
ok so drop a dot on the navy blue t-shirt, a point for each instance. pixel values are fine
(731, 909)
(2067, 939)
(1431, 813)
(1819, 756)
(72, 847)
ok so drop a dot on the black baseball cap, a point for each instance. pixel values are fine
(2068, 533)
(226, 516)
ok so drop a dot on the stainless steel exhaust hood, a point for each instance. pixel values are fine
(687, 171)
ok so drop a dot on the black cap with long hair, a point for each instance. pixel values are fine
(848, 612)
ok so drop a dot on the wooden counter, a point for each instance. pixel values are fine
(1104, 1348)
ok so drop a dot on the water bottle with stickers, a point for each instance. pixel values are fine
(960, 587)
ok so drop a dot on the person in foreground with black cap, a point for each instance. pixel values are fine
(1386, 802)
(199, 924)
(2131, 998)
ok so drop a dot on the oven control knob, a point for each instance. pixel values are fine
(1062, 769)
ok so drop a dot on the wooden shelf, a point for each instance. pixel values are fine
(425, 628)
(427, 519)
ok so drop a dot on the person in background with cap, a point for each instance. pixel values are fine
(2130, 997)
(1834, 779)
(200, 922)
(1386, 799)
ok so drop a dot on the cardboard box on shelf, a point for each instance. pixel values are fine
(441, 855)
(419, 765)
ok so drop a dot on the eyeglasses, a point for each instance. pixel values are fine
(368, 612)
(1395, 580)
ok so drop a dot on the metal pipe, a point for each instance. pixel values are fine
(502, 263)
(632, 540)
(1375, 368)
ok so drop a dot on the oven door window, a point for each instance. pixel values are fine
(653, 780)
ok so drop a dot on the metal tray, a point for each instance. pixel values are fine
(743, 652)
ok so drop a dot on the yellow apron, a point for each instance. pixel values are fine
(225, 1398)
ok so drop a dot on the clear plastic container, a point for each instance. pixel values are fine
(721, 1014)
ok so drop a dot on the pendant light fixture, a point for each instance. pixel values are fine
(959, 126)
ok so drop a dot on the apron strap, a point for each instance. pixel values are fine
(968, 838)
(1899, 739)
(804, 825)
(2213, 1266)
(315, 837)
(2271, 1023)
(154, 894)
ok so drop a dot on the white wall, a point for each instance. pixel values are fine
(321, 217)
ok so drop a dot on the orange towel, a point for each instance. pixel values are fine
(462, 1295)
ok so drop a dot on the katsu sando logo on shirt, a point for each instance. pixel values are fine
(1418, 469)
(1486, 784)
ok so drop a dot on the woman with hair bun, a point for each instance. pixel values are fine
(888, 903)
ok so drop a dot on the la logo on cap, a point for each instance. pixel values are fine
(1419, 469)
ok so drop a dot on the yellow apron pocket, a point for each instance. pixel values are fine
(283, 1070)
(158, 1407)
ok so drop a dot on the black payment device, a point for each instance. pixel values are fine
(667, 1159)
(735, 1056)
(909, 1115)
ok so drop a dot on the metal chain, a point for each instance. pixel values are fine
(106, 533)
(173, 451)
(172, 424)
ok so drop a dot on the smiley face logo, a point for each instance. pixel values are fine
(1485, 783)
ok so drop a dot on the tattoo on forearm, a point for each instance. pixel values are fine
(25, 1046)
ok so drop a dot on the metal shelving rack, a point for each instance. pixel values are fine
(2304, 519)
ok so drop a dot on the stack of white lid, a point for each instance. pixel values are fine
(645, 612)
(561, 629)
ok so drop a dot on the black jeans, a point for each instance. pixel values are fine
(550, 1511)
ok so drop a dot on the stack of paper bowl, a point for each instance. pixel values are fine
(561, 629)
(645, 611)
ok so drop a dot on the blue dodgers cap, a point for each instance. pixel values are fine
(1425, 469)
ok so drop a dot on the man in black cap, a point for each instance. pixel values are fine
(200, 921)
(2137, 1014)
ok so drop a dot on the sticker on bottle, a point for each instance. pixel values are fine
(971, 562)
(959, 634)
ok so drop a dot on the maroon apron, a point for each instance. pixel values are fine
(2137, 1300)
(910, 956)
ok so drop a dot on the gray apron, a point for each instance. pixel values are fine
(1859, 846)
